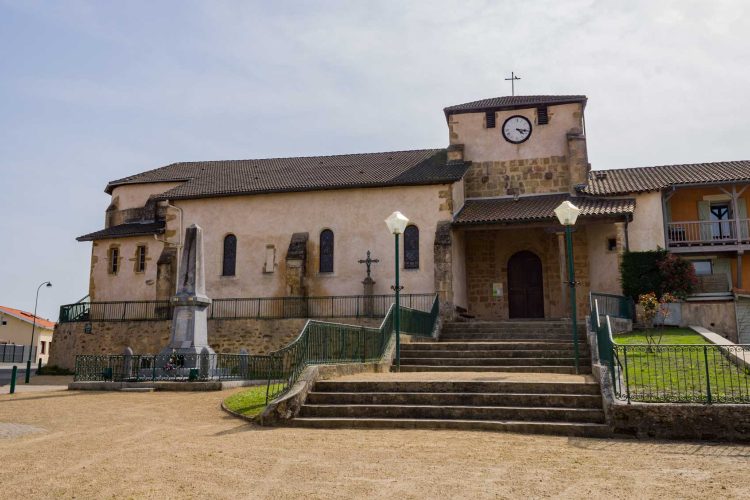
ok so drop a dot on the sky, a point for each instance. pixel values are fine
(95, 91)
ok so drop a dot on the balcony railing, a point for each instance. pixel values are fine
(707, 232)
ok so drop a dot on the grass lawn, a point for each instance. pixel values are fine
(679, 369)
(249, 403)
(671, 336)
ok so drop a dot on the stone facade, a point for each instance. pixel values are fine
(150, 337)
(443, 257)
(517, 177)
(488, 251)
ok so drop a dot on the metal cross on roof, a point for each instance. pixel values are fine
(368, 261)
(512, 79)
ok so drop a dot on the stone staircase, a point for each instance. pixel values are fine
(504, 346)
(525, 401)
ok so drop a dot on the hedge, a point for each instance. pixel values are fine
(639, 272)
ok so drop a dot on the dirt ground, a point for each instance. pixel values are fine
(181, 445)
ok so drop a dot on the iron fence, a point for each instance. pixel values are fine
(685, 373)
(171, 367)
(323, 343)
(348, 306)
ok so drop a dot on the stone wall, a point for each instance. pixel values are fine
(488, 251)
(719, 317)
(150, 337)
(504, 178)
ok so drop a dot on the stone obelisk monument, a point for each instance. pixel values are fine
(189, 320)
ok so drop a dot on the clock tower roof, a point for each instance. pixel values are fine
(513, 102)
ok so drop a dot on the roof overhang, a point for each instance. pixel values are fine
(510, 107)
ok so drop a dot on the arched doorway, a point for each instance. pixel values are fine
(525, 286)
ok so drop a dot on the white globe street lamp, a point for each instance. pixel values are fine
(567, 214)
(396, 223)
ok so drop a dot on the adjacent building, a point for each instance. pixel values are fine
(16, 326)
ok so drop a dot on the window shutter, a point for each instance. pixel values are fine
(704, 214)
(742, 215)
(490, 119)
(542, 118)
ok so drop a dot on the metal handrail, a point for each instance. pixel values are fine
(322, 343)
(704, 231)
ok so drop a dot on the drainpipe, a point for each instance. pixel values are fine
(627, 238)
(179, 246)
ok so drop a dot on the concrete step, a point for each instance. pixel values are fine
(542, 327)
(476, 353)
(537, 345)
(508, 337)
(493, 361)
(456, 386)
(518, 413)
(590, 401)
(509, 369)
(552, 428)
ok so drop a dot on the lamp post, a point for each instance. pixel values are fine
(33, 327)
(567, 213)
(396, 223)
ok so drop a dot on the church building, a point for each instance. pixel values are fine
(482, 230)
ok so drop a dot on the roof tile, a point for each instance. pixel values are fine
(537, 207)
(513, 101)
(236, 177)
(126, 230)
(644, 179)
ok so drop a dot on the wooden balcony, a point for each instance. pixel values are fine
(699, 235)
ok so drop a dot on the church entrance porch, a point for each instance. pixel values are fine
(514, 260)
(518, 273)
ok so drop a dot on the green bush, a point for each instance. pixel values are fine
(54, 370)
(658, 272)
(639, 272)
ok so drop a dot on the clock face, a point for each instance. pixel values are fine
(517, 129)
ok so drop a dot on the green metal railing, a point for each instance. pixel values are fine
(687, 373)
(171, 367)
(319, 343)
(323, 343)
(348, 306)
(615, 306)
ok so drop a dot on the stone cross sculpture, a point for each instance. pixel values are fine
(189, 320)
(369, 285)
(368, 261)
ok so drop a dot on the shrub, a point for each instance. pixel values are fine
(652, 307)
(54, 370)
(658, 272)
(678, 276)
(639, 272)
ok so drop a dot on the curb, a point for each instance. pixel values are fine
(238, 415)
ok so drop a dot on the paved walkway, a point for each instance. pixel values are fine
(181, 445)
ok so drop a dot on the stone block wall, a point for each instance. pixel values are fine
(150, 337)
(506, 178)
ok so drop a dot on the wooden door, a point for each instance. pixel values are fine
(525, 286)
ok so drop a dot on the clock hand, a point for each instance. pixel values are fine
(522, 130)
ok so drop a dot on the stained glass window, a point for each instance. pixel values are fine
(411, 247)
(230, 255)
(326, 251)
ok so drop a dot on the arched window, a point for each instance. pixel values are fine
(326, 251)
(230, 255)
(411, 247)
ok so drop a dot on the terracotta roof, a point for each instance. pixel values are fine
(537, 208)
(234, 177)
(27, 316)
(513, 102)
(126, 230)
(644, 179)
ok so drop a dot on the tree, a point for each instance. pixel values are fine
(652, 307)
